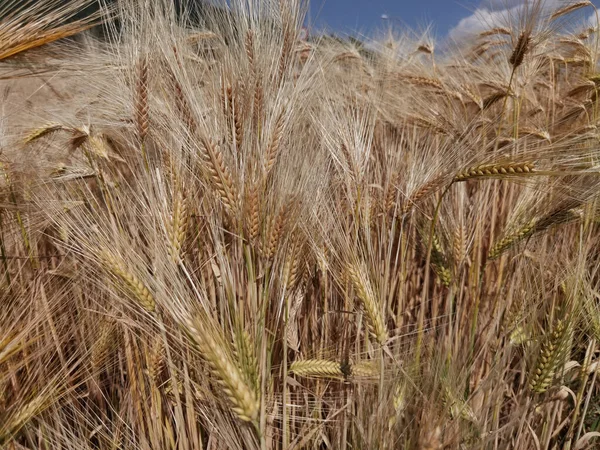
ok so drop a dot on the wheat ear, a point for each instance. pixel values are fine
(274, 143)
(244, 401)
(245, 353)
(117, 267)
(520, 50)
(177, 226)
(45, 130)
(365, 293)
(569, 9)
(553, 353)
(495, 170)
(219, 175)
(317, 368)
(511, 239)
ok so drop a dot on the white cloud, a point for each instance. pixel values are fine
(494, 13)
(480, 20)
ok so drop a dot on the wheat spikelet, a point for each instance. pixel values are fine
(425, 48)
(399, 403)
(317, 368)
(156, 361)
(520, 50)
(557, 216)
(364, 369)
(242, 396)
(45, 130)
(275, 232)
(97, 146)
(459, 244)
(181, 101)
(491, 99)
(219, 175)
(177, 226)
(292, 336)
(423, 192)
(258, 100)
(457, 408)
(141, 100)
(365, 293)
(291, 268)
(511, 239)
(274, 142)
(101, 347)
(569, 9)
(553, 353)
(238, 123)
(286, 51)
(199, 36)
(424, 82)
(249, 47)
(427, 123)
(495, 31)
(8, 347)
(390, 197)
(495, 170)
(245, 353)
(117, 267)
(438, 260)
(473, 96)
(252, 212)
(540, 134)
(13, 423)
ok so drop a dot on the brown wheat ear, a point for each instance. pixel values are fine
(495, 170)
(520, 50)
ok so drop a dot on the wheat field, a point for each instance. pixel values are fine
(215, 234)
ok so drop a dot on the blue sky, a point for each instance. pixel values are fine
(446, 16)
